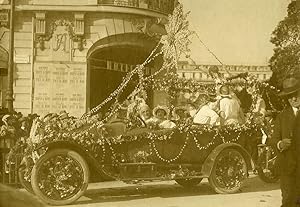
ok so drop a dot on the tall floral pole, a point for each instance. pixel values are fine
(176, 42)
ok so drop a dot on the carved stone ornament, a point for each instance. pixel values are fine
(61, 31)
(4, 18)
(146, 26)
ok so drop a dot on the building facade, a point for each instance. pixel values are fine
(71, 54)
(200, 72)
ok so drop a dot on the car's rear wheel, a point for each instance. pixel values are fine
(189, 182)
(60, 177)
(229, 172)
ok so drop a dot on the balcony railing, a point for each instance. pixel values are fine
(162, 6)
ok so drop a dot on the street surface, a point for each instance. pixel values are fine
(255, 193)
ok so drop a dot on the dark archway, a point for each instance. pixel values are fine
(110, 59)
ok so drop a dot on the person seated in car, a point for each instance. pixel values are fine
(135, 102)
(160, 118)
(208, 114)
(180, 115)
(145, 113)
(230, 109)
(192, 109)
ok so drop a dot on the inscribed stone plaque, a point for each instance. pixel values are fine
(60, 87)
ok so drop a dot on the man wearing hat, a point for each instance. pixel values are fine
(286, 138)
(230, 109)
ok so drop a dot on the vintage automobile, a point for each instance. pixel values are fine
(67, 161)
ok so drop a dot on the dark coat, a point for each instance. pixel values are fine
(285, 128)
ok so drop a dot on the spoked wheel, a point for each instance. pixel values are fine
(60, 177)
(187, 183)
(24, 178)
(229, 172)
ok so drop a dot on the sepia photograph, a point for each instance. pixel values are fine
(146, 103)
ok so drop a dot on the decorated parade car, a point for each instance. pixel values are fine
(66, 162)
(65, 154)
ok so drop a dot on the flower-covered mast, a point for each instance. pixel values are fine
(176, 42)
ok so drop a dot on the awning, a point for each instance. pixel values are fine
(3, 62)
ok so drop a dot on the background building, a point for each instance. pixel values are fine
(69, 55)
(200, 72)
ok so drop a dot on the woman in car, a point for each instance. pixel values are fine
(160, 119)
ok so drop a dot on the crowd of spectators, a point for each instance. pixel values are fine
(14, 127)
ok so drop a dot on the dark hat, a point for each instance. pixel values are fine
(22, 119)
(211, 97)
(63, 115)
(47, 117)
(213, 69)
(177, 109)
(290, 86)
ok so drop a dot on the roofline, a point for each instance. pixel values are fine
(88, 8)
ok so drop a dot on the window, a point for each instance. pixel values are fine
(198, 76)
(188, 75)
(265, 76)
(115, 66)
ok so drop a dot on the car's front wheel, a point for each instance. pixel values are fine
(229, 172)
(60, 177)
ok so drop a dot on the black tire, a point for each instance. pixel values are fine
(187, 183)
(23, 181)
(53, 181)
(267, 175)
(229, 172)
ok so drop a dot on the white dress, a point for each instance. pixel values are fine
(232, 111)
(165, 124)
(207, 116)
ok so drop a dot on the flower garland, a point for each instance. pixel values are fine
(153, 147)
(223, 134)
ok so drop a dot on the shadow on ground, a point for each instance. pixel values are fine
(168, 190)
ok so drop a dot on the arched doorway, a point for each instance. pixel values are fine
(110, 59)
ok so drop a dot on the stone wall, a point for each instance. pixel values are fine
(60, 50)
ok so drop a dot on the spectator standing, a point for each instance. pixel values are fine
(8, 131)
(286, 138)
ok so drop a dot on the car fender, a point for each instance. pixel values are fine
(209, 162)
(94, 165)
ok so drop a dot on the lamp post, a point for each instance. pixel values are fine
(10, 82)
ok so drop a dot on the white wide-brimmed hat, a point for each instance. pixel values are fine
(164, 108)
